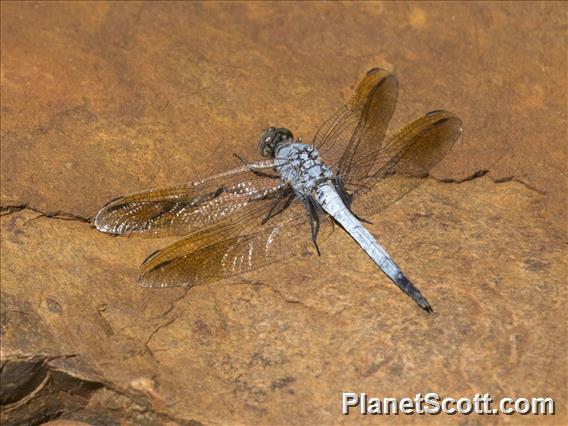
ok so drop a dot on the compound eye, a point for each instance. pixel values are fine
(265, 145)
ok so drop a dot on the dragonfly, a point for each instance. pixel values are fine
(286, 203)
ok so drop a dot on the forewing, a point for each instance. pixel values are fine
(360, 124)
(230, 247)
(403, 162)
(181, 209)
(333, 136)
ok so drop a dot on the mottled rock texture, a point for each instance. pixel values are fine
(101, 99)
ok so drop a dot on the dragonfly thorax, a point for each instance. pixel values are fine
(301, 165)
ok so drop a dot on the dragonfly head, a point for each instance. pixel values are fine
(271, 138)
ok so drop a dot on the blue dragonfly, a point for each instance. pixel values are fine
(264, 211)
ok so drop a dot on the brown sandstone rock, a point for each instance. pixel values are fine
(104, 99)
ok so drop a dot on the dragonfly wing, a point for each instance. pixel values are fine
(361, 124)
(403, 161)
(376, 96)
(181, 209)
(334, 134)
(230, 247)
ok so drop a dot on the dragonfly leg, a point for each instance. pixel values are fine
(276, 210)
(315, 228)
(255, 168)
(346, 198)
(313, 218)
(340, 187)
(360, 219)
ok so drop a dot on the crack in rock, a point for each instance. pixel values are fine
(153, 333)
(476, 175)
(485, 172)
(6, 209)
(522, 182)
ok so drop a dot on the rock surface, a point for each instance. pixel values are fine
(104, 99)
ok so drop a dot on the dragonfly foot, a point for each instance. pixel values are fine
(241, 159)
(317, 248)
(363, 220)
